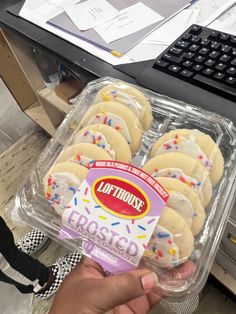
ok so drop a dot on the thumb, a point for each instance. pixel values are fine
(107, 293)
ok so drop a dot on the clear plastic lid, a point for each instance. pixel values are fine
(184, 151)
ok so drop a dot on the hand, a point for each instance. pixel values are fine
(87, 291)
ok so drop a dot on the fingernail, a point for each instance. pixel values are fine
(149, 281)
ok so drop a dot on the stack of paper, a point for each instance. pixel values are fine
(89, 14)
(40, 11)
(135, 20)
(128, 21)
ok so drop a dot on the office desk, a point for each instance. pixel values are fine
(76, 58)
(20, 74)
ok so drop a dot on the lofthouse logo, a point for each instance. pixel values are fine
(120, 197)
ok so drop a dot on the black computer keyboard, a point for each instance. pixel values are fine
(202, 57)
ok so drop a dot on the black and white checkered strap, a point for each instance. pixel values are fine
(60, 270)
(32, 242)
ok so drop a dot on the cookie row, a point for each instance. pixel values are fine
(188, 164)
(123, 108)
(111, 129)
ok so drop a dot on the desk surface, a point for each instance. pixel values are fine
(92, 67)
(77, 58)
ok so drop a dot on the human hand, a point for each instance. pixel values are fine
(87, 291)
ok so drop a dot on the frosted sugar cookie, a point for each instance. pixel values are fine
(184, 168)
(130, 97)
(107, 138)
(196, 144)
(179, 203)
(119, 117)
(162, 248)
(61, 183)
(84, 154)
(172, 241)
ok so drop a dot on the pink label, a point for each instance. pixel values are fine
(115, 211)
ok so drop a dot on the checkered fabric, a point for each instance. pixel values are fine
(32, 242)
(188, 306)
(60, 269)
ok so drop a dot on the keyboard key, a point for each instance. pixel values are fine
(220, 66)
(199, 59)
(219, 76)
(196, 29)
(176, 51)
(171, 58)
(204, 51)
(160, 63)
(207, 71)
(231, 71)
(174, 68)
(233, 52)
(205, 42)
(214, 54)
(195, 39)
(182, 44)
(214, 34)
(215, 45)
(225, 58)
(226, 48)
(224, 37)
(197, 67)
(187, 64)
(186, 36)
(210, 62)
(194, 48)
(189, 55)
(233, 62)
(187, 73)
(231, 80)
(214, 86)
(233, 40)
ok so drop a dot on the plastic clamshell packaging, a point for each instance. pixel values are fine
(168, 115)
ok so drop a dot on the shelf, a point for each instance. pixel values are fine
(38, 114)
(13, 75)
(54, 100)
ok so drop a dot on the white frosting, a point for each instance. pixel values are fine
(181, 204)
(82, 161)
(112, 120)
(60, 189)
(177, 173)
(123, 98)
(186, 145)
(97, 138)
(162, 248)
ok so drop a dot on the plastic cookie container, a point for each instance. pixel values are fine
(136, 179)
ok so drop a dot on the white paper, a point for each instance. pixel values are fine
(208, 9)
(226, 22)
(172, 29)
(39, 11)
(30, 13)
(91, 13)
(129, 21)
(217, 13)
